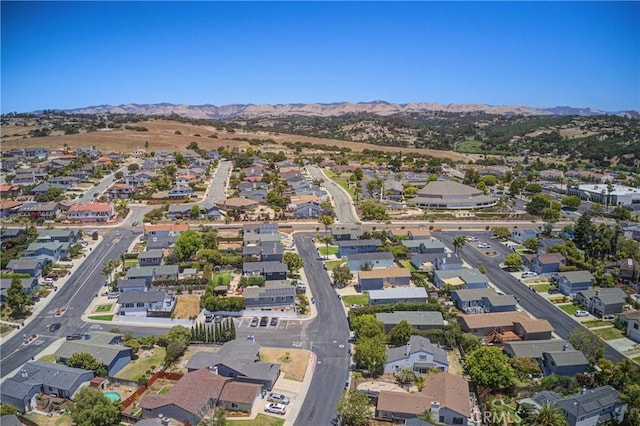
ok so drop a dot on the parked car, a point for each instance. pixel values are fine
(208, 318)
(581, 313)
(254, 322)
(278, 397)
(54, 327)
(113, 295)
(264, 321)
(48, 280)
(274, 322)
(529, 274)
(74, 336)
(274, 408)
(553, 290)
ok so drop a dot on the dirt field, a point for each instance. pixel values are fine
(293, 362)
(187, 306)
(161, 137)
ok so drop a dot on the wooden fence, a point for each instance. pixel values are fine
(143, 388)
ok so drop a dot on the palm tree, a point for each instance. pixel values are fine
(326, 239)
(459, 242)
(326, 220)
(547, 415)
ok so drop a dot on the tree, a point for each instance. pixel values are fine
(471, 176)
(92, 408)
(179, 333)
(353, 408)
(373, 211)
(54, 193)
(631, 396)
(525, 366)
(571, 201)
(621, 213)
(459, 242)
(341, 275)
(195, 211)
(187, 245)
(293, 261)
(218, 417)
(548, 415)
(513, 261)
(327, 220)
(370, 354)
(367, 326)
(88, 362)
(489, 367)
(8, 409)
(17, 298)
(501, 232)
(532, 244)
(174, 351)
(405, 376)
(133, 167)
(400, 334)
(583, 231)
(538, 203)
(587, 342)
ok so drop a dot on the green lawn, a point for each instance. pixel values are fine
(140, 366)
(570, 308)
(333, 263)
(328, 251)
(165, 390)
(47, 358)
(595, 323)
(608, 333)
(541, 288)
(469, 146)
(101, 317)
(260, 420)
(221, 278)
(104, 308)
(130, 263)
(356, 299)
(407, 264)
(637, 360)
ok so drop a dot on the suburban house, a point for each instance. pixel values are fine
(48, 378)
(206, 211)
(502, 327)
(377, 279)
(270, 271)
(239, 359)
(570, 283)
(29, 285)
(547, 263)
(545, 244)
(9, 191)
(593, 406)
(9, 208)
(150, 258)
(137, 284)
(420, 320)
(445, 395)
(165, 230)
(121, 191)
(632, 321)
(107, 348)
(376, 260)
(195, 394)
(91, 212)
(428, 262)
(351, 247)
(534, 348)
(398, 295)
(629, 270)
(564, 362)
(603, 301)
(61, 235)
(420, 355)
(264, 251)
(26, 265)
(180, 192)
(482, 300)
(146, 303)
(431, 245)
(344, 234)
(460, 278)
(520, 235)
(49, 252)
(35, 210)
(280, 295)
(155, 243)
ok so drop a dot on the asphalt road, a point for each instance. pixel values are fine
(102, 186)
(342, 202)
(218, 187)
(75, 295)
(531, 302)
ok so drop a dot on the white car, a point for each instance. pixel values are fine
(278, 397)
(529, 274)
(581, 313)
(48, 280)
(274, 408)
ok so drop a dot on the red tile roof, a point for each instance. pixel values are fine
(91, 207)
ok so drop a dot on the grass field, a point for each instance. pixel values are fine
(260, 420)
(595, 323)
(355, 299)
(570, 308)
(139, 367)
(407, 264)
(331, 250)
(293, 362)
(608, 333)
(469, 146)
(187, 306)
(333, 263)
(47, 358)
(130, 263)
(101, 317)
(637, 360)
(104, 308)
(541, 288)
(221, 278)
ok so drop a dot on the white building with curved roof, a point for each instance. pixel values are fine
(450, 195)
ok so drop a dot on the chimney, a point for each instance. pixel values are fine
(165, 421)
(565, 347)
(435, 409)
(407, 349)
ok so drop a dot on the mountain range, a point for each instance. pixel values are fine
(209, 111)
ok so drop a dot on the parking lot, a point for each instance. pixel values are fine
(273, 323)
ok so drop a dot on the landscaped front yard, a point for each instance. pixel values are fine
(187, 306)
(355, 299)
(101, 317)
(328, 251)
(569, 308)
(608, 333)
(333, 263)
(146, 360)
(407, 264)
(260, 420)
(293, 362)
(104, 308)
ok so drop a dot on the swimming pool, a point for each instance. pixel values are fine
(113, 396)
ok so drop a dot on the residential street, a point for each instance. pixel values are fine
(342, 202)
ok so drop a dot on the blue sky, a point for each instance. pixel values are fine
(542, 54)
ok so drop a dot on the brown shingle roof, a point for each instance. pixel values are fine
(242, 393)
(497, 319)
(450, 391)
(403, 402)
(385, 273)
(535, 325)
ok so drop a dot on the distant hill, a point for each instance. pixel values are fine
(383, 108)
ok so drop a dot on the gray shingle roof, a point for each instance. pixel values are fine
(137, 296)
(567, 358)
(380, 255)
(264, 267)
(415, 318)
(577, 276)
(591, 402)
(46, 373)
(417, 344)
(359, 243)
(132, 282)
(535, 348)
